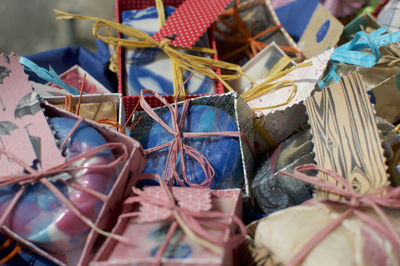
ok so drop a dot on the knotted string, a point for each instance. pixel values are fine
(241, 34)
(350, 53)
(181, 61)
(270, 84)
(193, 223)
(178, 147)
(385, 197)
(43, 177)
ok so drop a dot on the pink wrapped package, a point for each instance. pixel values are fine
(64, 181)
(198, 230)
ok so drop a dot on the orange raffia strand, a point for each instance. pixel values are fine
(111, 122)
(15, 250)
(243, 35)
(114, 123)
(80, 95)
(68, 103)
(137, 121)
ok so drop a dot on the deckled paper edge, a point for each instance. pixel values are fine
(319, 194)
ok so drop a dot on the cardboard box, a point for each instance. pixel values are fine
(183, 251)
(130, 101)
(260, 66)
(129, 170)
(258, 16)
(234, 106)
(95, 106)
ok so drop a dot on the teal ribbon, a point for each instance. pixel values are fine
(48, 75)
(350, 53)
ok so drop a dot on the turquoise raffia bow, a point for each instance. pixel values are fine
(350, 53)
(48, 75)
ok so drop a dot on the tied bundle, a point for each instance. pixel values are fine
(193, 223)
(180, 60)
(44, 177)
(385, 197)
(178, 147)
(241, 34)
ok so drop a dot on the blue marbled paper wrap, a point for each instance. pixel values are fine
(150, 68)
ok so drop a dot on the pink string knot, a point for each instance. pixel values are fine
(178, 147)
(193, 223)
(385, 197)
(35, 176)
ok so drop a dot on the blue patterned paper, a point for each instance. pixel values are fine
(222, 152)
(150, 68)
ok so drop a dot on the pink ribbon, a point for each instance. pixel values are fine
(34, 176)
(177, 145)
(192, 219)
(387, 197)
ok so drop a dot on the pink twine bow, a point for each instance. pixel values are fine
(177, 145)
(191, 222)
(34, 176)
(388, 197)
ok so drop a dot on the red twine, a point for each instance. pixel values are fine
(387, 197)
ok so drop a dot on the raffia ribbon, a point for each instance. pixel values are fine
(385, 197)
(270, 84)
(178, 147)
(180, 60)
(193, 223)
(251, 46)
(35, 176)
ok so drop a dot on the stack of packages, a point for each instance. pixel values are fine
(207, 132)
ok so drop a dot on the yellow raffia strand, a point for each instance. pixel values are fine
(160, 12)
(279, 66)
(270, 84)
(259, 127)
(183, 61)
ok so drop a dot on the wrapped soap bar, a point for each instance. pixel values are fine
(350, 228)
(52, 196)
(353, 243)
(151, 230)
(150, 68)
(274, 192)
(39, 216)
(222, 152)
(228, 156)
(256, 19)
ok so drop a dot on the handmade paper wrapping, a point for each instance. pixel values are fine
(258, 15)
(352, 243)
(353, 149)
(129, 170)
(122, 5)
(274, 192)
(282, 121)
(229, 102)
(151, 68)
(150, 235)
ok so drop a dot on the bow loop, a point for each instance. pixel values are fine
(385, 197)
(192, 213)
